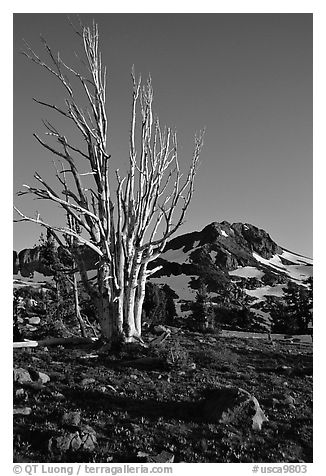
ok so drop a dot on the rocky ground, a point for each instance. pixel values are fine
(178, 402)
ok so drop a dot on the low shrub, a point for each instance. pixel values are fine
(173, 354)
(214, 358)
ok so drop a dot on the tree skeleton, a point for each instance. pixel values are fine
(128, 227)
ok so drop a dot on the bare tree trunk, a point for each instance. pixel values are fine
(58, 294)
(77, 307)
(129, 320)
(109, 306)
(126, 229)
(104, 302)
(120, 292)
(140, 296)
(104, 317)
(131, 330)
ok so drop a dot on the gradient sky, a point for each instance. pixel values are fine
(247, 78)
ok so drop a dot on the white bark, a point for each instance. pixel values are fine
(53, 341)
(129, 228)
(77, 307)
(140, 296)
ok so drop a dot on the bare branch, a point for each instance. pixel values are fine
(129, 228)
(63, 230)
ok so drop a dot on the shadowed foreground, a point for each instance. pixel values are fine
(130, 411)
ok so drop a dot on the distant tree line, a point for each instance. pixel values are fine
(233, 308)
(293, 314)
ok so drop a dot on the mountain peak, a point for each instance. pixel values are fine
(231, 259)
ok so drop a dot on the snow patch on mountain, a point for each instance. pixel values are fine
(179, 255)
(176, 256)
(180, 284)
(260, 293)
(300, 269)
(274, 262)
(247, 272)
(296, 259)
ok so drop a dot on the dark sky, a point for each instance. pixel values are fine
(247, 78)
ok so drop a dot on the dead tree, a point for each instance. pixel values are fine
(126, 224)
(72, 243)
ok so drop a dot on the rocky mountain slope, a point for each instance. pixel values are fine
(229, 252)
(236, 261)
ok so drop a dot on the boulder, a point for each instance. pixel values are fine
(289, 400)
(21, 375)
(66, 442)
(71, 418)
(39, 377)
(87, 381)
(22, 411)
(163, 457)
(83, 439)
(88, 438)
(232, 405)
(20, 393)
(58, 396)
(159, 329)
(43, 378)
(34, 320)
